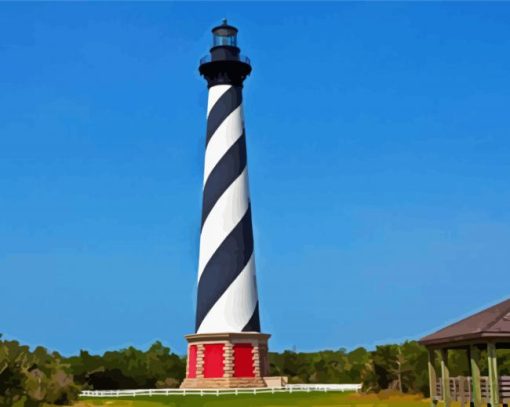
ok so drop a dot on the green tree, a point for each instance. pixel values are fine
(13, 359)
(385, 362)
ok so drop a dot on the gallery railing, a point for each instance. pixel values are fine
(460, 389)
(242, 58)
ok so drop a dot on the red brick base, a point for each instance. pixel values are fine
(226, 373)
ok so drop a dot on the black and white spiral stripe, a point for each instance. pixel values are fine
(227, 289)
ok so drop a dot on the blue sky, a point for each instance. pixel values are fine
(379, 158)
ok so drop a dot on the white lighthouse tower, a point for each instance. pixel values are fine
(227, 349)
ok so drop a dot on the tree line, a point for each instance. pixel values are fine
(401, 367)
(36, 376)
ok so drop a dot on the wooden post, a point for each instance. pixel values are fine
(462, 391)
(476, 389)
(445, 377)
(493, 374)
(432, 378)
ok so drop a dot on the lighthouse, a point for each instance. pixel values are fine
(227, 348)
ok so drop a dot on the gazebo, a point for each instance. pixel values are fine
(488, 329)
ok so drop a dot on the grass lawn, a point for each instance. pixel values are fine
(312, 399)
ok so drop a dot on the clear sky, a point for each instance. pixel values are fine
(379, 157)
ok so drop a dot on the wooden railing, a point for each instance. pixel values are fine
(460, 389)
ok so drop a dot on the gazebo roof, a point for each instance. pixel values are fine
(491, 323)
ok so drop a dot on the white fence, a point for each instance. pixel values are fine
(325, 387)
(290, 388)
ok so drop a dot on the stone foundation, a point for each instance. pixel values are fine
(212, 363)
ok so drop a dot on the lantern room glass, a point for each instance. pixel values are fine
(225, 39)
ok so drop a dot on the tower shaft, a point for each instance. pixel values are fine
(227, 292)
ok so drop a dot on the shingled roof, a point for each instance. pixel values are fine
(491, 323)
